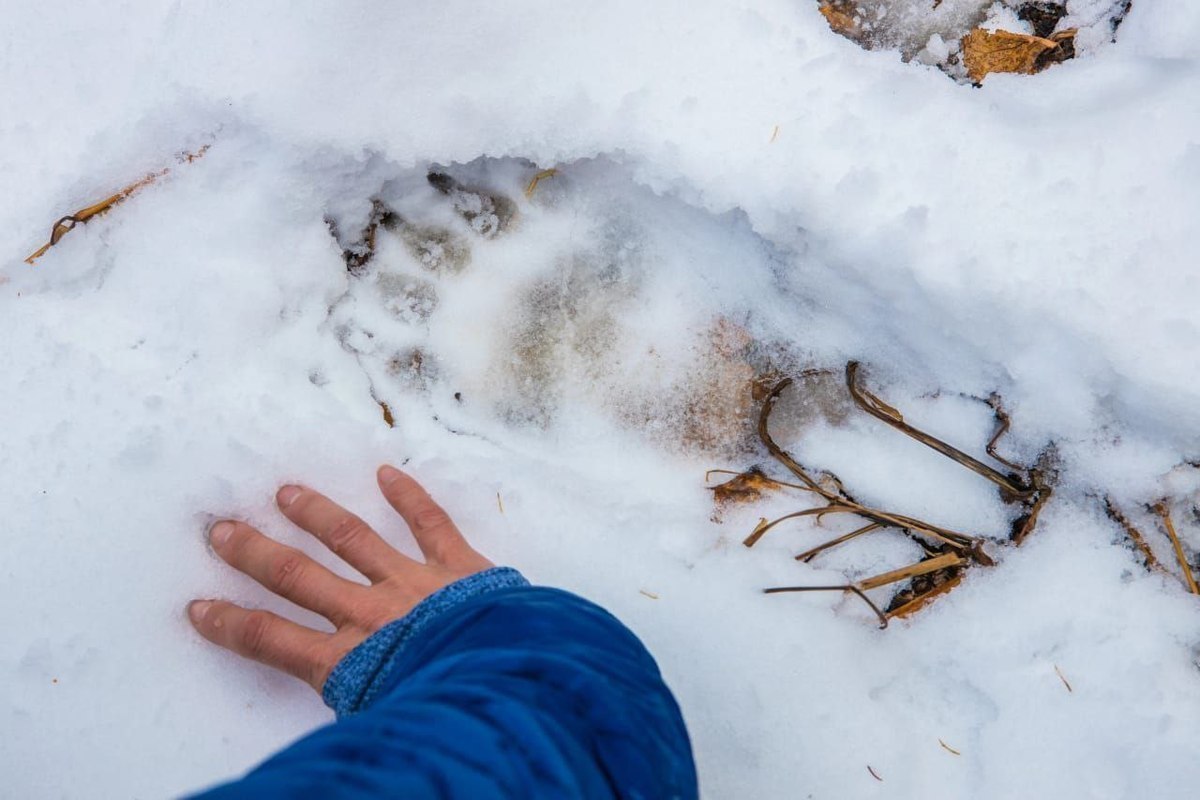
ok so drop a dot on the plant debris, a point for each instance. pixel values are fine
(744, 486)
(948, 553)
(1161, 509)
(1150, 560)
(967, 46)
(387, 414)
(1063, 678)
(985, 52)
(1188, 578)
(66, 224)
(948, 748)
(536, 179)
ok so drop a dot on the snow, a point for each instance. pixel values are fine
(721, 167)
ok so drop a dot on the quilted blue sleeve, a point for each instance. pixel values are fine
(490, 688)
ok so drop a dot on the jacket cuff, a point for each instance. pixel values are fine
(359, 676)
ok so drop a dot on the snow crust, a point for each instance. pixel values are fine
(183, 355)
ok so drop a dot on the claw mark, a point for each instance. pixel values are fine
(358, 253)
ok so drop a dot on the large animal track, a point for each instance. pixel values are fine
(470, 296)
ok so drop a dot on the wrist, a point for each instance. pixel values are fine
(357, 679)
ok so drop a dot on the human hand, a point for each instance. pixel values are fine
(398, 582)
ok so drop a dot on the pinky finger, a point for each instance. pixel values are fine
(265, 637)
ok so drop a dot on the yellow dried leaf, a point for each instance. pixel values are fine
(985, 52)
(842, 19)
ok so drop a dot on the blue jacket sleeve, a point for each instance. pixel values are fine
(490, 688)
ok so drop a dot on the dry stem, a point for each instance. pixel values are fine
(1189, 579)
(1114, 512)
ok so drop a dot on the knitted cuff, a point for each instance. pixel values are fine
(361, 673)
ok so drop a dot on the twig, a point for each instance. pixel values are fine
(959, 541)
(874, 774)
(538, 178)
(1189, 579)
(1024, 525)
(948, 748)
(1003, 423)
(808, 555)
(66, 224)
(1063, 678)
(913, 570)
(847, 587)
(821, 511)
(922, 600)
(1149, 559)
(877, 408)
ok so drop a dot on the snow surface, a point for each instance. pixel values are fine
(183, 355)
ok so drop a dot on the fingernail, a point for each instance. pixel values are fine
(388, 474)
(287, 495)
(197, 609)
(219, 534)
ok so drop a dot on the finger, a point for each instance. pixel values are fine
(436, 535)
(286, 571)
(266, 638)
(342, 532)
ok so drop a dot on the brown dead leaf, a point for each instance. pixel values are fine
(985, 52)
(743, 488)
(842, 19)
(388, 419)
(922, 600)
